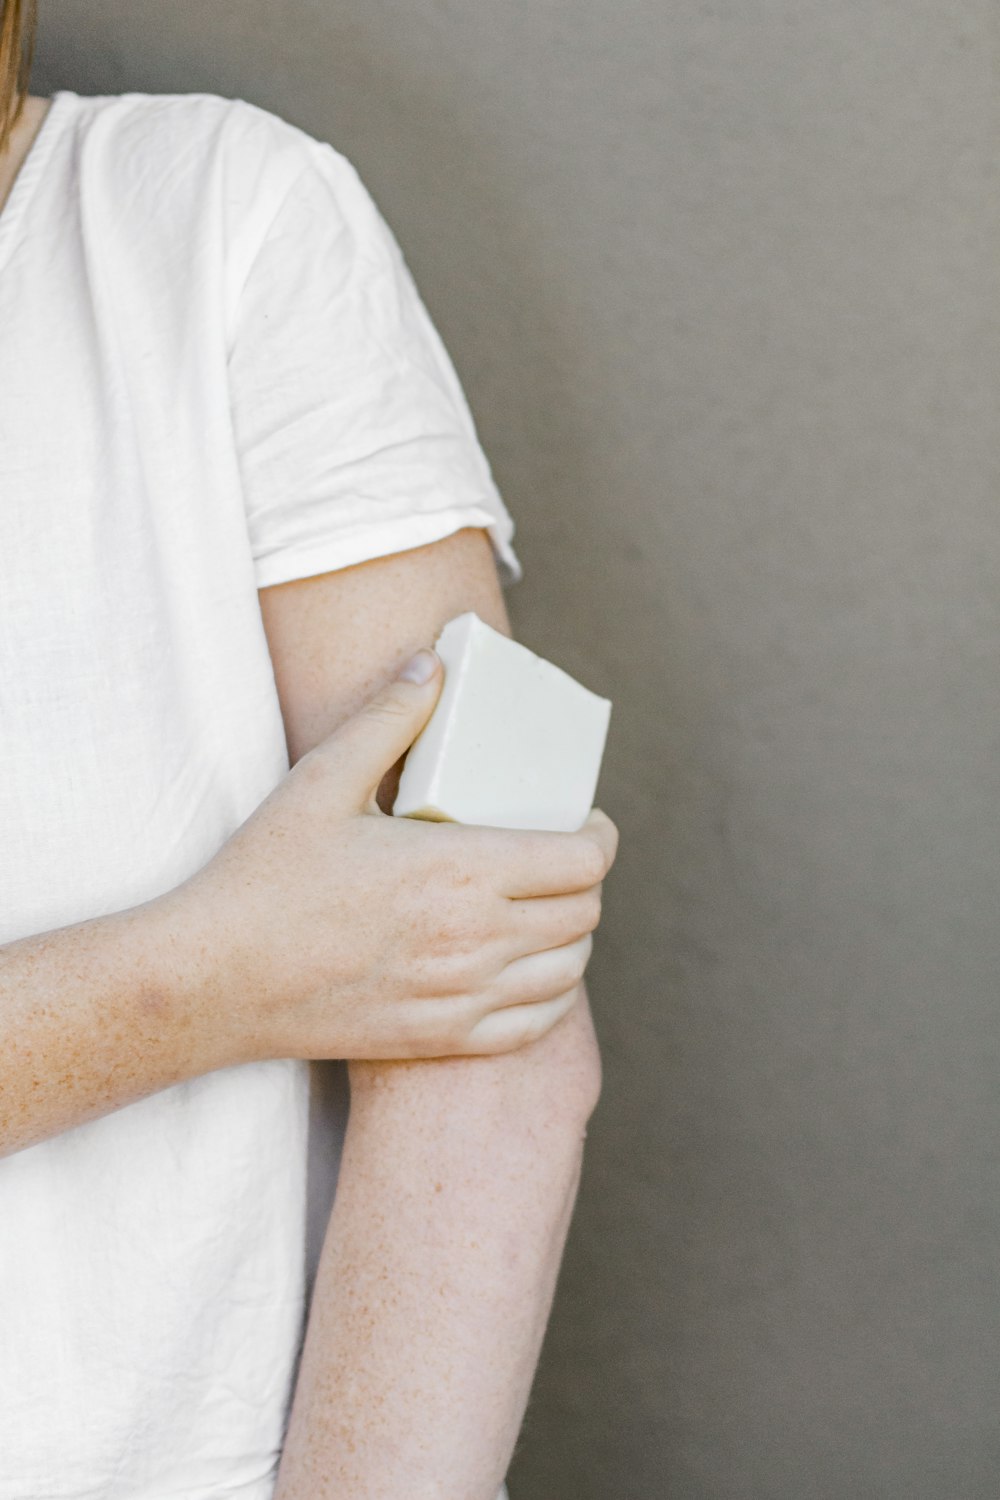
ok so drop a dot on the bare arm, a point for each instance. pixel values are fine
(98, 1014)
(459, 1174)
(340, 952)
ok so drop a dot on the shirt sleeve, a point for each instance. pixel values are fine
(353, 434)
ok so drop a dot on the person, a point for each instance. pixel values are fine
(241, 490)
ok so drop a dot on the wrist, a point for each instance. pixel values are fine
(191, 982)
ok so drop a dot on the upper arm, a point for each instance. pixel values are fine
(359, 459)
(337, 637)
(334, 639)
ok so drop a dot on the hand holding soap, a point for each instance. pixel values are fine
(513, 742)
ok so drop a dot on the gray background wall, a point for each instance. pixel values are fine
(721, 282)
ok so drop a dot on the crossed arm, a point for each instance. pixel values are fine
(458, 1175)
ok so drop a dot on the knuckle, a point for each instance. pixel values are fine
(606, 841)
(388, 709)
(471, 922)
(608, 823)
(441, 935)
(457, 876)
(592, 908)
(422, 974)
(449, 936)
(593, 862)
(453, 974)
(313, 770)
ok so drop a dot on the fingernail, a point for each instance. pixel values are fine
(419, 668)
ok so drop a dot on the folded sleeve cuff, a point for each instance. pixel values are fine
(380, 539)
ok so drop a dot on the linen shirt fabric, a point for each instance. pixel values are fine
(217, 375)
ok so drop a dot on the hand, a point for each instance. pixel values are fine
(342, 932)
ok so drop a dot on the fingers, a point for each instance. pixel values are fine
(527, 997)
(516, 1025)
(537, 922)
(539, 976)
(368, 744)
(530, 996)
(527, 862)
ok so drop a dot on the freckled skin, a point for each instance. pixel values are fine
(91, 1022)
(458, 1175)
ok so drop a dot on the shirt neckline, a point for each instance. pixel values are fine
(30, 170)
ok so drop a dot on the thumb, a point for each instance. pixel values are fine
(372, 740)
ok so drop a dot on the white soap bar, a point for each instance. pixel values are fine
(513, 742)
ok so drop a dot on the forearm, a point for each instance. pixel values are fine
(434, 1287)
(96, 1015)
(458, 1175)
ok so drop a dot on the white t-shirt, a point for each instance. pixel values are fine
(216, 375)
